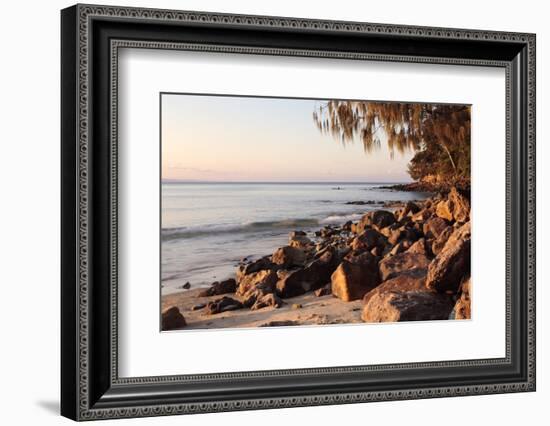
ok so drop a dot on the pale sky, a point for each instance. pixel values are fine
(221, 138)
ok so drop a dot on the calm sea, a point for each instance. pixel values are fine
(208, 227)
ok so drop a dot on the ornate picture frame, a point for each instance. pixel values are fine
(91, 37)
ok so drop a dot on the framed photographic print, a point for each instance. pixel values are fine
(263, 212)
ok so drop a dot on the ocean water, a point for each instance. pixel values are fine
(208, 227)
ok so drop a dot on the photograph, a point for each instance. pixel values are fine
(292, 211)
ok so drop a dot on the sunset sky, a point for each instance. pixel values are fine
(240, 139)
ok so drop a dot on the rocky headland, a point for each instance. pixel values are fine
(405, 262)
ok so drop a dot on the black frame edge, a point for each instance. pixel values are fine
(69, 188)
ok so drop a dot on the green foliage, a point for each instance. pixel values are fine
(439, 134)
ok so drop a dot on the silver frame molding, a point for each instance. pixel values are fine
(110, 396)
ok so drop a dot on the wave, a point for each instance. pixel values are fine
(204, 230)
(168, 234)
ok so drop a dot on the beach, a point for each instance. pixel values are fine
(394, 255)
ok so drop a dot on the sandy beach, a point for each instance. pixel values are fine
(314, 310)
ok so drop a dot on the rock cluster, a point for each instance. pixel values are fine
(409, 264)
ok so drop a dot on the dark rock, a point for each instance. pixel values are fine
(261, 264)
(400, 247)
(394, 265)
(223, 305)
(434, 226)
(368, 240)
(300, 241)
(218, 288)
(280, 323)
(186, 286)
(198, 306)
(439, 242)
(381, 218)
(172, 319)
(392, 306)
(414, 280)
(324, 291)
(269, 300)
(288, 256)
(265, 279)
(452, 263)
(419, 247)
(421, 216)
(316, 274)
(347, 226)
(355, 277)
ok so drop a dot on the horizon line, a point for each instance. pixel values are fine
(278, 181)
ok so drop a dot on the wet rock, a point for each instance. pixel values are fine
(218, 288)
(186, 286)
(223, 305)
(452, 264)
(172, 319)
(394, 265)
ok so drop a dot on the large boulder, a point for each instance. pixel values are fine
(455, 207)
(368, 240)
(419, 247)
(394, 265)
(266, 279)
(172, 319)
(441, 240)
(379, 218)
(462, 307)
(288, 256)
(452, 264)
(402, 233)
(315, 275)
(299, 241)
(221, 287)
(434, 226)
(223, 305)
(392, 306)
(414, 280)
(422, 215)
(354, 277)
(261, 264)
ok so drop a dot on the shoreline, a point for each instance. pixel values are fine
(381, 268)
